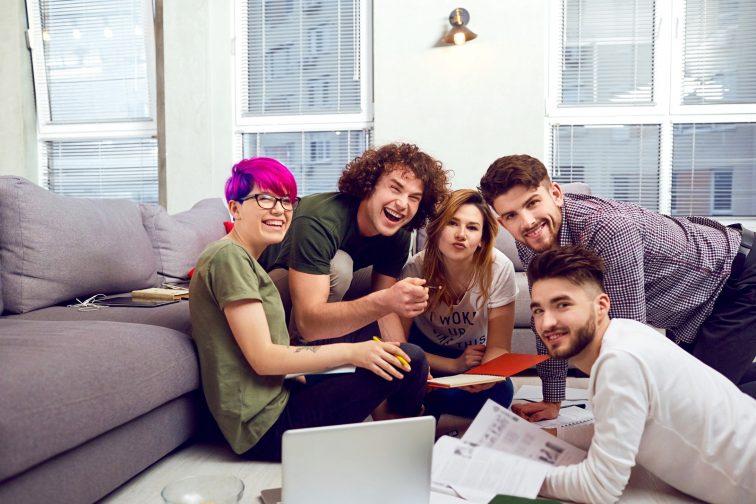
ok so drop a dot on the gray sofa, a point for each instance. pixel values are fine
(88, 399)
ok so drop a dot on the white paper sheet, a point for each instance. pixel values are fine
(498, 428)
(336, 370)
(478, 474)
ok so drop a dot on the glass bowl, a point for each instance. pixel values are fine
(204, 490)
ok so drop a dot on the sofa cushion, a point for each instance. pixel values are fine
(63, 383)
(173, 316)
(54, 248)
(178, 240)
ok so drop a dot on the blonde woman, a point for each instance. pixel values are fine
(470, 315)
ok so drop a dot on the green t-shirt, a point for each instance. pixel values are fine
(244, 404)
(327, 222)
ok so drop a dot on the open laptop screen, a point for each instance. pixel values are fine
(368, 463)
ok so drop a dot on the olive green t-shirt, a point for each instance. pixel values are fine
(327, 222)
(244, 404)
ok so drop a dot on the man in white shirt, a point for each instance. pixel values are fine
(654, 404)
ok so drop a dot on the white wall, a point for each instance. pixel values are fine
(18, 130)
(198, 41)
(466, 105)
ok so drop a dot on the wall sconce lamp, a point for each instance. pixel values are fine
(459, 32)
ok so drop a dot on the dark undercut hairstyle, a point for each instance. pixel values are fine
(575, 263)
(511, 171)
(361, 175)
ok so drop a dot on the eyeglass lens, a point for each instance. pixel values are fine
(266, 201)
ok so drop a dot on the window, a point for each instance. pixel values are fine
(316, 158)
(94, 78)
(568, 174)
(654, 102)
(713, 170)
(617, 161)
(302, 85)
(607, 52)
(316, 40)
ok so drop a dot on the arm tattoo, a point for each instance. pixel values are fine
(312, 349)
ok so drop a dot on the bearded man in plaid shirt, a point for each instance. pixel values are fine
(691, 276)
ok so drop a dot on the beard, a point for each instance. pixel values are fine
(583, 337)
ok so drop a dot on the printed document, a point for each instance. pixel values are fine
(499, 454)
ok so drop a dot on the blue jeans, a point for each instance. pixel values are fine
(455, 401)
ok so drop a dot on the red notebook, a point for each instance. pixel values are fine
(492, 371)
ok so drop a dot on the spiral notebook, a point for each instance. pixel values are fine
(568, 416)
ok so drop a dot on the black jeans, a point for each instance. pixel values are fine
(727, 339)
(346, 398)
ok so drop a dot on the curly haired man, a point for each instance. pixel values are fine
(383, 195)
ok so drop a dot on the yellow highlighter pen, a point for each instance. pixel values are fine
(398, 357)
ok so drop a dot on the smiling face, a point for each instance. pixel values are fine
(462, 235)
(532, 216)
(566, 315)
(392, 204)
(258, 227)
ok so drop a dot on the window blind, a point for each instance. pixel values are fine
(95, 60)
(607, 52)
(316, 158)
(93, 74)
(123, 168)
(302, 57)
(714, 169)
(718, 55)
(618, 161)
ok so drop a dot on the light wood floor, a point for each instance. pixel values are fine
(216, 458)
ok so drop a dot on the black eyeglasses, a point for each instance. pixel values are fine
(267, 202)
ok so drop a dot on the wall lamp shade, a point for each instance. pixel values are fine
(459, 32)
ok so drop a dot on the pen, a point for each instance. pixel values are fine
(561, 407)
(398, 357)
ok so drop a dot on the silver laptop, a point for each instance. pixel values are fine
(366, 463)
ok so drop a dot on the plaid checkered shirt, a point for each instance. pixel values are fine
(664, 271)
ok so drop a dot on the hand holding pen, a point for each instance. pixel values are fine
(407, 298)
(401, 359)
(386, 359)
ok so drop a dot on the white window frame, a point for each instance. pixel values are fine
(665, 110)
(87, 130)
(303, 122)
(47, 131)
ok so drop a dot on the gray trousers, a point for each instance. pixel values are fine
(345, 283)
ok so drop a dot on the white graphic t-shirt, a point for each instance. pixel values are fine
(465, 323)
